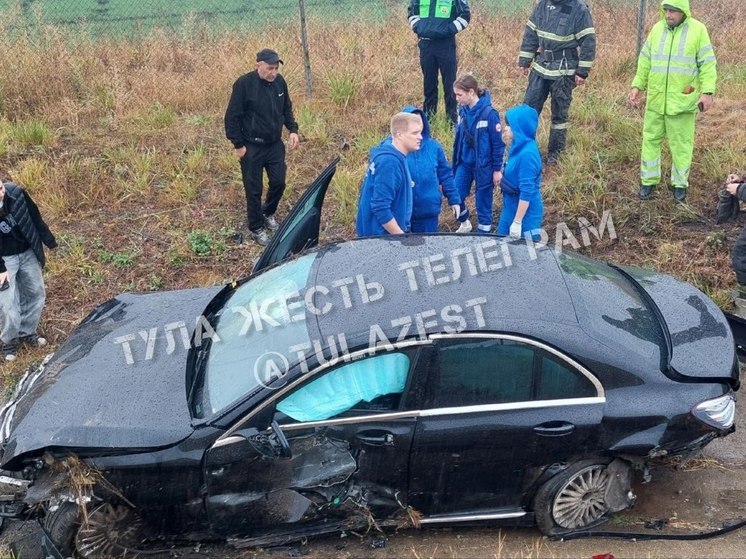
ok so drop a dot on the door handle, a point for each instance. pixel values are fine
(375, 438)
(554, 429)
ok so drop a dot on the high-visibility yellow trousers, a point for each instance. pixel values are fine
(679, 129)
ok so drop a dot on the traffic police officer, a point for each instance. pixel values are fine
(436, 23)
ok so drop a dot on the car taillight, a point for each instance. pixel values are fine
(719, 412)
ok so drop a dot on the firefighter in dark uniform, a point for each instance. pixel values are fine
(559, 47)
(436, 23)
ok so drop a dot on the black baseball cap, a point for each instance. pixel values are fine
(269, 56)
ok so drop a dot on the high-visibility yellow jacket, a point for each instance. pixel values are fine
(676, 65)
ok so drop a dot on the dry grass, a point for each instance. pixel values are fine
(122, 145)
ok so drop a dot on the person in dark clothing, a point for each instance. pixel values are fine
(258, 108)
(558, 49)
(737, 187)
(22, 293)
(436, 23)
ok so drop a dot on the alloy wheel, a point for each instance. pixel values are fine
(582, 500)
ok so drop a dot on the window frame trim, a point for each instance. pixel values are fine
(600, 398)
(370, 352)
(600, 392)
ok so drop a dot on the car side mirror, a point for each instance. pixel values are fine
(270, 445)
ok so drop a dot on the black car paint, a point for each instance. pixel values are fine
(177, 492)
(190, 485)
(90, 398)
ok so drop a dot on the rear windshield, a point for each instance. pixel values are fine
(610, 308)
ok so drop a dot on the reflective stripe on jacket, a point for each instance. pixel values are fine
(559, 39)
(676, 65)
(438, 19)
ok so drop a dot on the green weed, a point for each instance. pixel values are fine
(345, 192)
(119, 259)
(33, 174)
(314, 124)
(158, 116)
(155, 282)
(33, 133)
(343, 88)
(203, 243)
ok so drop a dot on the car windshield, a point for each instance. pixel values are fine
(255, 332)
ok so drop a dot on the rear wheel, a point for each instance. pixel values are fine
(574, 499)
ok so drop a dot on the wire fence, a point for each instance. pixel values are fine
(298, 26)
(128, 18)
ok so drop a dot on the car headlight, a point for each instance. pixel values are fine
(719, 412)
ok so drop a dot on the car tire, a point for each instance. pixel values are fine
(61, 525)
(574, 499)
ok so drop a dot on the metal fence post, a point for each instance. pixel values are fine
(304, 44)
(640, 24)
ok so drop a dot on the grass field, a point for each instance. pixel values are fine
(126, 16)
(122, 145)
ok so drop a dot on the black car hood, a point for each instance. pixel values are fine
(95, 395)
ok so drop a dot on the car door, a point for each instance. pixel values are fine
(300, 229)
(499, 409)
(349, 428)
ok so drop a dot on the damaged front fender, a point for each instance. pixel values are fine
(248, 489)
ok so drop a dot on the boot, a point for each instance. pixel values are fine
(557, 139)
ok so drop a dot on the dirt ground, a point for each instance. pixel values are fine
(705, 493)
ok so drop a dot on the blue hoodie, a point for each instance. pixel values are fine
(429, 169)
(386, 192)
(486, 155)
(522, 173)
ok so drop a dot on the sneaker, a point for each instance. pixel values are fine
(9, 350)
(679, 194)
(260, 236)
(271, 222)
(646, 191)
(34, 340)
(465, 227)
(552, 159)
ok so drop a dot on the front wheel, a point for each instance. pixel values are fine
(61, 525)
(574, 499)
(110, 531)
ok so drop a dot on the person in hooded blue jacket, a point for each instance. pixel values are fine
(523, 209)
(430, 172)
(385, 204)
(477, 151)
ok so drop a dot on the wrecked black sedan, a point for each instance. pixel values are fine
(421, 379)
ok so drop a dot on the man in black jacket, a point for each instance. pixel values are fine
(558, 48)
(436, 23)
(258, 108)
(22, 293)
(736, 186)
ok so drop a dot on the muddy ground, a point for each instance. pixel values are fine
(694, 497)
